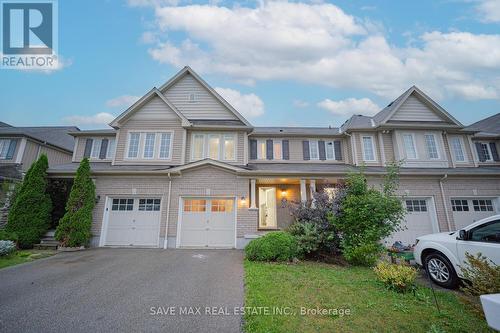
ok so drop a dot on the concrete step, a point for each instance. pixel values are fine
(50, 241)
(50, 233)
(45, 246)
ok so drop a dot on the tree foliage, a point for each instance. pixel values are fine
(74, 228)
(29, 215)
(368, 215)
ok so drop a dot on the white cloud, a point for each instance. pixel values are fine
(321, 44)
(249, 105)
(350, 106)
(298, 103)
(102, 118)
(489, 11)
(124, 100)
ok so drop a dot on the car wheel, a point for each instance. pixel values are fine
(441, 270)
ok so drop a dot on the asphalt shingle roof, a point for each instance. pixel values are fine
(296, 131)
(54, 135)
(487, 127)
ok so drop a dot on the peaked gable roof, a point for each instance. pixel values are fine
(207, 162)
(188, 70)
(390, 110)
(141, 102)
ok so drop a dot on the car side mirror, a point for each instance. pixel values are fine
(462, 235)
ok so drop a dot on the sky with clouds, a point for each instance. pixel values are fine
(278, 63)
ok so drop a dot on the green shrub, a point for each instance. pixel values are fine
(482, 277)
(362, 254)
(274, 246)
(29, 215)
(5, 235)
(74, 228)
(6, 247)
(400, 278)
(308, 236)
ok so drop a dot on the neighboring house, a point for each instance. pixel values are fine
(21, 146)
(487, 140)
(182, 168)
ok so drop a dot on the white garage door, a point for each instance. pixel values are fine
(207, 222)
(418, 221)
(469, 210)
(133, 222)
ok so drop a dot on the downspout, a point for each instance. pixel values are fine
(165, 242)
(444, 201)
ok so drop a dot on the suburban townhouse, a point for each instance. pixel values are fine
(182, 168)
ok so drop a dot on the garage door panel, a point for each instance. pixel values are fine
(469, 210)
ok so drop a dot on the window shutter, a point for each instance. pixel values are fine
(253, 149)
(322, 154)
(104, 149)
(269, 149)
(338, 150)
(88, 147)
(285, 146)
(480, 152)
(494, 151)
(305, 149)
(12, 149)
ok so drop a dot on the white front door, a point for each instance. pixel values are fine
(207, 222)
(418, 221)
(469, 210)
(267, 208)
(133, 222)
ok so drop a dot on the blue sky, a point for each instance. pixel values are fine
(279, 63)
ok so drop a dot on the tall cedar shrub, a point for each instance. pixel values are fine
(74, 228)
(368, 215)
(29, 215)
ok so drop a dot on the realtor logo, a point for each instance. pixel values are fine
(29, 34)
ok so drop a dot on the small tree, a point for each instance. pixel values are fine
(29, 215)
(368, 215)
(74, 228)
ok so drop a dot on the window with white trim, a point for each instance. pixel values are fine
(4, 148)
(431, 147)
(313, 149)
(149, 205)
(416, 206)
(457, 148)
(459, 205)
(95, 152)
(368, 148)
(330, 150)
(133, 145)
(409, 145)
(277, 150)
(261, 149)
(149, 145)
(165, 141)
(485, 147)
(122, 204)
(217, 146)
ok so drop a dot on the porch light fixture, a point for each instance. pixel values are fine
(283, 193)
(243, 200)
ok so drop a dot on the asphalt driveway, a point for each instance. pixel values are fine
(128, 290)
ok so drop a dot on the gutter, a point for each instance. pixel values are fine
(165, 242)
(443, 197)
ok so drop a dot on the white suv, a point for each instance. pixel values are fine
(442, 254)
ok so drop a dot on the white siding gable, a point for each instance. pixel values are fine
(155, 109)
(204, 106)
(413, 109)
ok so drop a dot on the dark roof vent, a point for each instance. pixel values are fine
(390, 103)
(281, 130)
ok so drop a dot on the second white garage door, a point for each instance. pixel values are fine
(419, 221)
(207, 222)
(469, 210)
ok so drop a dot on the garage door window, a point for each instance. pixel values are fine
(460, 205)
(194, 205)
(416, 205)
(482, 205)
(149, 205)
(222, 206)
(123, 204)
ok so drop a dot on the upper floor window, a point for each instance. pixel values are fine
(457, 148)
(7, 149)
(313, 150)
(431, 147)
(486, 150)
(409, 145)
(150, 145)
(368, 148)
(277, 150)
(216, 146)
(261, 149)
(100, 148)
(330, 150)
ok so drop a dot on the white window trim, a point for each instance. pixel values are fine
(426, 148)
(93, 150)
(108, 149)
(315, 142)
(259, 155)
(333, 147)
(414, 145)
(221, 152)
(219, 148)
(372, 140)
(489, 150)
(223, 145)
(281, 149)
(462, 146)
(142, 142)
(7, 145)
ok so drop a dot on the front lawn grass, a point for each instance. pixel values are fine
(372, 307)
(23, 256)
